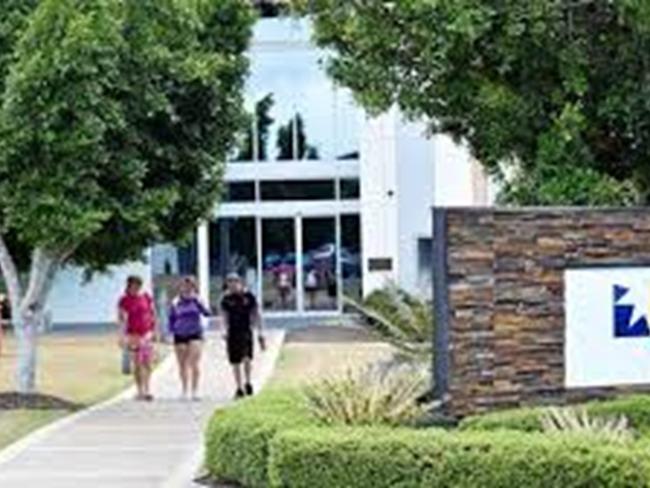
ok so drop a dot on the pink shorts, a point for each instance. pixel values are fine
(142, 349)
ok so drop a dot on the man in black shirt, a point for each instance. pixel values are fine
(240, 316)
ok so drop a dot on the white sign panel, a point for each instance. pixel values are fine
(607, 326)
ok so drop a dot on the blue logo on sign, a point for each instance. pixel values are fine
(631, 312)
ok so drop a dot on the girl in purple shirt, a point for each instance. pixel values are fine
(185, 326)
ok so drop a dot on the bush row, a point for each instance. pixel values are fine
(636, 408)
(238, 438)
(272, 440)
(369, 458)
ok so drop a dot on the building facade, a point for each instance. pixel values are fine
(321, 202)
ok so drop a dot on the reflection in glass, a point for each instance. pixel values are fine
(319, 264)
(349, 189)
(239, 191)
(233, 248)
(297, 190)
(278, 264)
(351, 256)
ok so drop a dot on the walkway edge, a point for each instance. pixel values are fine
(184, 476)
(13, 450)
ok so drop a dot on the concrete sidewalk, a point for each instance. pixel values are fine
(128, 444)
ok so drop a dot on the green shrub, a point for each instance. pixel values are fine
(238, 437)
(577, 421)
(636, 408)
(399, 318)
(383, 458)
(370, 396)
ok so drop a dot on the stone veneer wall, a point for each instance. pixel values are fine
(501, 309)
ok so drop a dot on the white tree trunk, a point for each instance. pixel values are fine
(28, 308)
(30, 311)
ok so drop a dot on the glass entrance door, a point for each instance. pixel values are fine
(279, 265)
(320, 280)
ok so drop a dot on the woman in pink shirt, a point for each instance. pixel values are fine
(137, 319)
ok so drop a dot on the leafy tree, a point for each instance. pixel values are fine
(551, 95)
(287, 145)
(263, 120)
(115, 119)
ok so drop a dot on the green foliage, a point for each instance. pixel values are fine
(115, 120)
(378, 458)
(374, 395)
(550, 96)
(636, 408)
(577, 421)
(399, 318)
(238, 438)
(272, 440)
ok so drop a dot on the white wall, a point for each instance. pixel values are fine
(74, 302)
(379, 210)
(422, 171)
(416, 189)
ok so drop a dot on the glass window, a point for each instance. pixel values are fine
(295, 111)
(233, 248)
(349, 189)
(320, 282)
(279, 264)
(425, 266)
(351, 256)
(297, 190)
(240, 192)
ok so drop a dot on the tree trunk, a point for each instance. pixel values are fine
(28, 308)
(26, 336)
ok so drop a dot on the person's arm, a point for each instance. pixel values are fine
(154, 317)
(205, 311)
(173, 317)
(256, 321)
(122, 318)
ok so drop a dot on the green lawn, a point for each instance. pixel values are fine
(15, 424)
(304, 362)
(83, 369)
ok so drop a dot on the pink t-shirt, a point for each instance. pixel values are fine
(139, 313)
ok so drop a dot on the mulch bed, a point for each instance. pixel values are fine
(35, 401)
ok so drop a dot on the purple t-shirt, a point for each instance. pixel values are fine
(185, 317)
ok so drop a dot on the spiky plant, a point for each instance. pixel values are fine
(403, 320)
(572, 420)
(379, 394)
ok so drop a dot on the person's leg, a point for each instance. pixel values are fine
(146, 380)
(236, 372)
(181, 357)
(248, 369)
(138, 377)
(194, 365)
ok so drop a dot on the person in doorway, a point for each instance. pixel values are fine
(311, 287)
(284, 285)
(137, 320)
(240, 317)
(186, 328)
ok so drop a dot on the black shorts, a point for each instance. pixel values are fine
(240, 347)
(186, 339)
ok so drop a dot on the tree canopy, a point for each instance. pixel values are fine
(552, 96)
(115, 120)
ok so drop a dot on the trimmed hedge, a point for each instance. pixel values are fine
(272, 440)
(238, 438)
(635, 407)
(383, 458)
